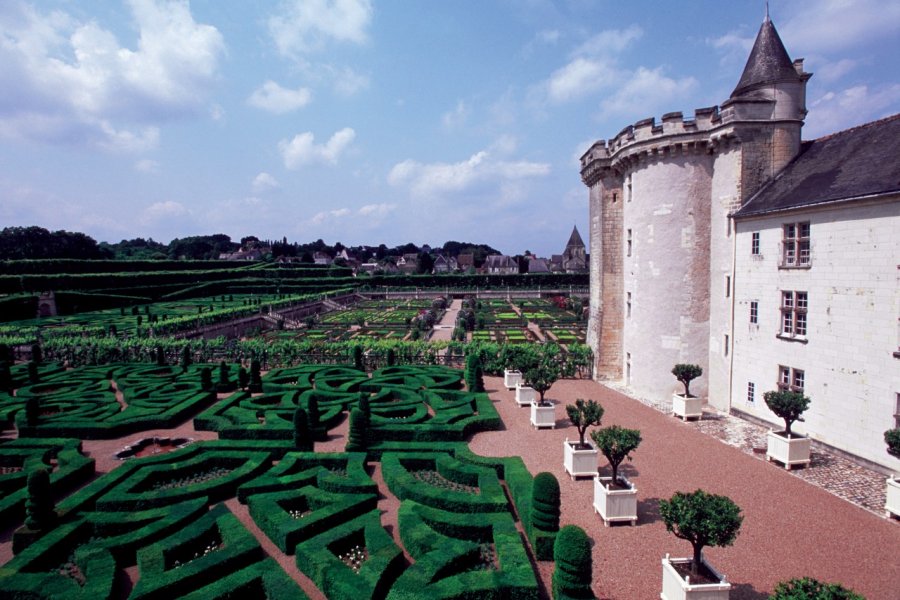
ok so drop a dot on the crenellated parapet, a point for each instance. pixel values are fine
(674, 135)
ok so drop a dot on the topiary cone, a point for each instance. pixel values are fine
(39, 513)
(545, 502)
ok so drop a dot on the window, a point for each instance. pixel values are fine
(751, 392)
(728, 286)
(628, 368)
(628, 189)
(754, 243)
(615, 197)
(726, 344)
(795, 245)
(793, 314)
(791, 379)
(754, 312)
(628, 305)
(897, 413)
(628, 243)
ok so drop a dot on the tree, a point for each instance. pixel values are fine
(545, 503)
(892, 439)
(225, 384)
(302, 438)
(358, 436)
(5, 377)
(807, 588)
(474, 373)
(583, 415)
(206, 383)
(243, 378)
(186, 359)
(574, 564)
(160, 356)
(255, 376)
(686, 373)
(32, 410)
(616, 443)
(312, 411)
(36, 355)
(39, 513)
(788, 405)
(542, 376)
(391, 357)
(358, 358)
(702, 519)
(33, 375)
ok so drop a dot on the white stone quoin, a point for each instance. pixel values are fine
(789, 452)
(892, 497)
(525, 395)
(511, 378)
(579, 463)
(690, 407)
(615, 505)
(543, 416)
(676, 588)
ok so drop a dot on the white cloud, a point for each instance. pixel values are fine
(610, 41)
(457, 117)
(162, 211)
(348, 82)
(828, 72)
(581, 77)
(302, 150)
(216, 112)
(646, 90)
(836, 25)
(69, 81)
(264, 182)
(376, 210)
(306, 25)
(835, 111)
(147, 166)
(276, 99)
(425, 180)
(321, 217)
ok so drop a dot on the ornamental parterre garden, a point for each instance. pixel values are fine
(161, 525)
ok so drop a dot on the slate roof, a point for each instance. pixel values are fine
(768, 62)
(855, 164)
(575, 239)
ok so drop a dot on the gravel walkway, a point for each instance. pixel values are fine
(791, 528)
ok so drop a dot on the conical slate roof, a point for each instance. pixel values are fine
(575, 239)
(768, 62)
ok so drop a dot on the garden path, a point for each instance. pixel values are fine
(443, 331)
(791, 528)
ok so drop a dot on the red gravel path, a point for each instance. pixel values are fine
(791, 528)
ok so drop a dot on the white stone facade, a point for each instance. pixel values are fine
(847, 355)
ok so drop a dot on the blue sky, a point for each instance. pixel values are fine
(364, 122)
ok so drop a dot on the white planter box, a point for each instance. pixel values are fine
(892, 498)
(615, 505)
(511, 378)
(676, 588)
(543, 416)
(525, 395)
(579, 463)
(687, 408)
(789, 452)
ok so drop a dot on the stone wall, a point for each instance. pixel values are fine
(852, 374)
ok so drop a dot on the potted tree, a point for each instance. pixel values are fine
(892, 498)
(784, 446)
(685, 405)
(580, 458)
(703, 520)
(540, 378)
(615, 498)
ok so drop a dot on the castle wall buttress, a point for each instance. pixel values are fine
(605, 327)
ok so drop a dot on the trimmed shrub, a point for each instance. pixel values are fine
(573, 573)
(808, 588)
(685, 373)
(702, 519)
(616, 443)
(545, 502)
(39, 506)
(302, 438)
(892, 439)
(358, 437)
(255, 385)
(584, 414)
(788, 405)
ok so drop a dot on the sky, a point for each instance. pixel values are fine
(367, 121)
